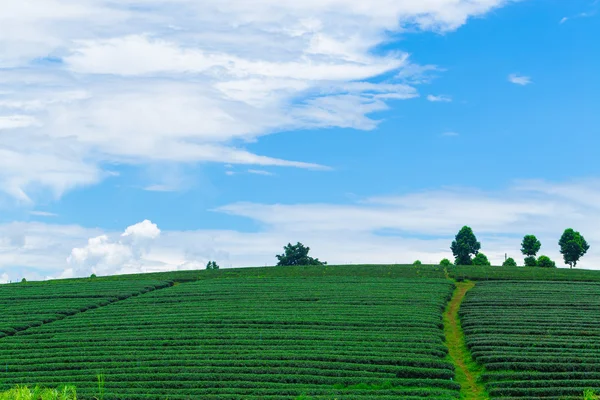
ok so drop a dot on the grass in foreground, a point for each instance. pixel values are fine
(70, 393)
(38, 393)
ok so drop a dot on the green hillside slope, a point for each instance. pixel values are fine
(342, 337)
(319, 332)
(24, 305)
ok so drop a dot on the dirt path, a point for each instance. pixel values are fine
(467, 371)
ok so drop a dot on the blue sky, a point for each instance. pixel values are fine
(372, 133)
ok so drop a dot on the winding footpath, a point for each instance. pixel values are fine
(467, 371)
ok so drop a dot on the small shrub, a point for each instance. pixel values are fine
(509, 262)
(445, 262)
(417, 263)
(545, 262)
(530, 261)
(481, 259)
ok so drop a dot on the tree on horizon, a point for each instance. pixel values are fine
(297, 254)
(572, 246)
(465, 245)
(529, 247)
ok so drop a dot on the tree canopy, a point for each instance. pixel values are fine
(297, 254)
(530, 245)
(465, 245)
(572, 246)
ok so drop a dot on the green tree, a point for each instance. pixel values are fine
(464, 245)
(481, 259)
(530, 261)
(212, 265)
(417, 263)
(445, 263)
(572, 246)
(297, 254)
(530, 245)
(509, 262)
(23, 280)
(545, 262)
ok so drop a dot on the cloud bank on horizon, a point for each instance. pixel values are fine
(390, 229)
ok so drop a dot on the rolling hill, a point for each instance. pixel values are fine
(323, 332)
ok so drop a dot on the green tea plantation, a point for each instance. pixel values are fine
(536, 340)
(307, 333)
(261, 338)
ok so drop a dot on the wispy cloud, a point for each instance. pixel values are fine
(71, 81)
(439, 98)
(580, 15)
(260, 172)
(519, 79)
(160, 188)
(16, 121)
(415, 74)
(450, 134)
(43, 214)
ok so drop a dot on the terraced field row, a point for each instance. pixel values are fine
(24, 305)
(270, 338)
(537, 340)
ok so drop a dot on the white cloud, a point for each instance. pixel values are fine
(153, 81)
(43, 213)
(519, 79)
(389, 229)
(160, 188)
(43, 164)
(104, 256)
(587, 14)
(144, 230)
(440, 98)
(98, 255)
(260, 172)
(415, 74)
(16, 121)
